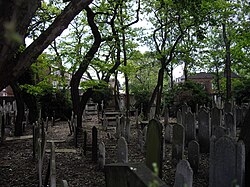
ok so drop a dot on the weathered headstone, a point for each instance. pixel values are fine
(183, 175)
(118, 127)
(94, 144)
(154, 145)
(230, 124)
(122, 150)
(215, 118)
(190, 131)
(101, 158)
(168, 133)
(238, 115)
(204, 125)
(227, 162)
(184, 110)
(219, 131)
(122, 124)
(227, 107)
(178, 142)
(194, 155)
(179, 117)
(127, 130)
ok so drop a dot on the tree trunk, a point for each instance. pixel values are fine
(12, 64)
(80, 103)
(227, 63)
(20, 109)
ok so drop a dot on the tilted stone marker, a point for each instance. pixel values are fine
(178, 142)
(179, 117)
(215, 118)
(127, 130)
(94, 144)
(194, 155)
(118, 127)
(204, 125)
(190, 131)
(154, 145)
(168, 133)
(227, 162)
(101, 158)
(122, 150)
(230, 124)
(219, 131)
(183, 175)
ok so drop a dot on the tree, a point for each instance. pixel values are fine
(13, 31)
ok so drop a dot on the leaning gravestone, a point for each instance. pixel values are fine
(227, 162)
(127, 130)
(168, 133)
(227, 107)
(122, 125)
(154, 145)
(94, 144)
(194, 155)
(215, 118)
(179, 117)
(118, 127)
(204, 125)
(230, 124)
(101, 158)
(178, 142)
(184, 110)
(183, 175)
(122, 150)
(190, 131)
(219, 132)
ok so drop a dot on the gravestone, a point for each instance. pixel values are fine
(179, 117)
(204, 133)
(168, 133)
(127, 130)
(118, 127)
(227, 162)
(227, 107)
(190, 130)
(154, 145)
(219, 131)
(94, 144)
(194, 155)
(230, 124)
(215, 118)
(101, 158)
(178, 142)
(122, 150)
(183, 175)
(122, 124)
(238, 115)
(184, 110)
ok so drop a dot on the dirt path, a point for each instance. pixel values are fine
(17, 168)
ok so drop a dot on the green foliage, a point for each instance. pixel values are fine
(190, 92)
(241, 91)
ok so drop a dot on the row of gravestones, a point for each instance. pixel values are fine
(225, 151)
(40, 129)
(208, 123)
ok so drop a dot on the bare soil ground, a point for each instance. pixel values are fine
(19, 169)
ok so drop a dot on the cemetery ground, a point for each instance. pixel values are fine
(18, 168)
